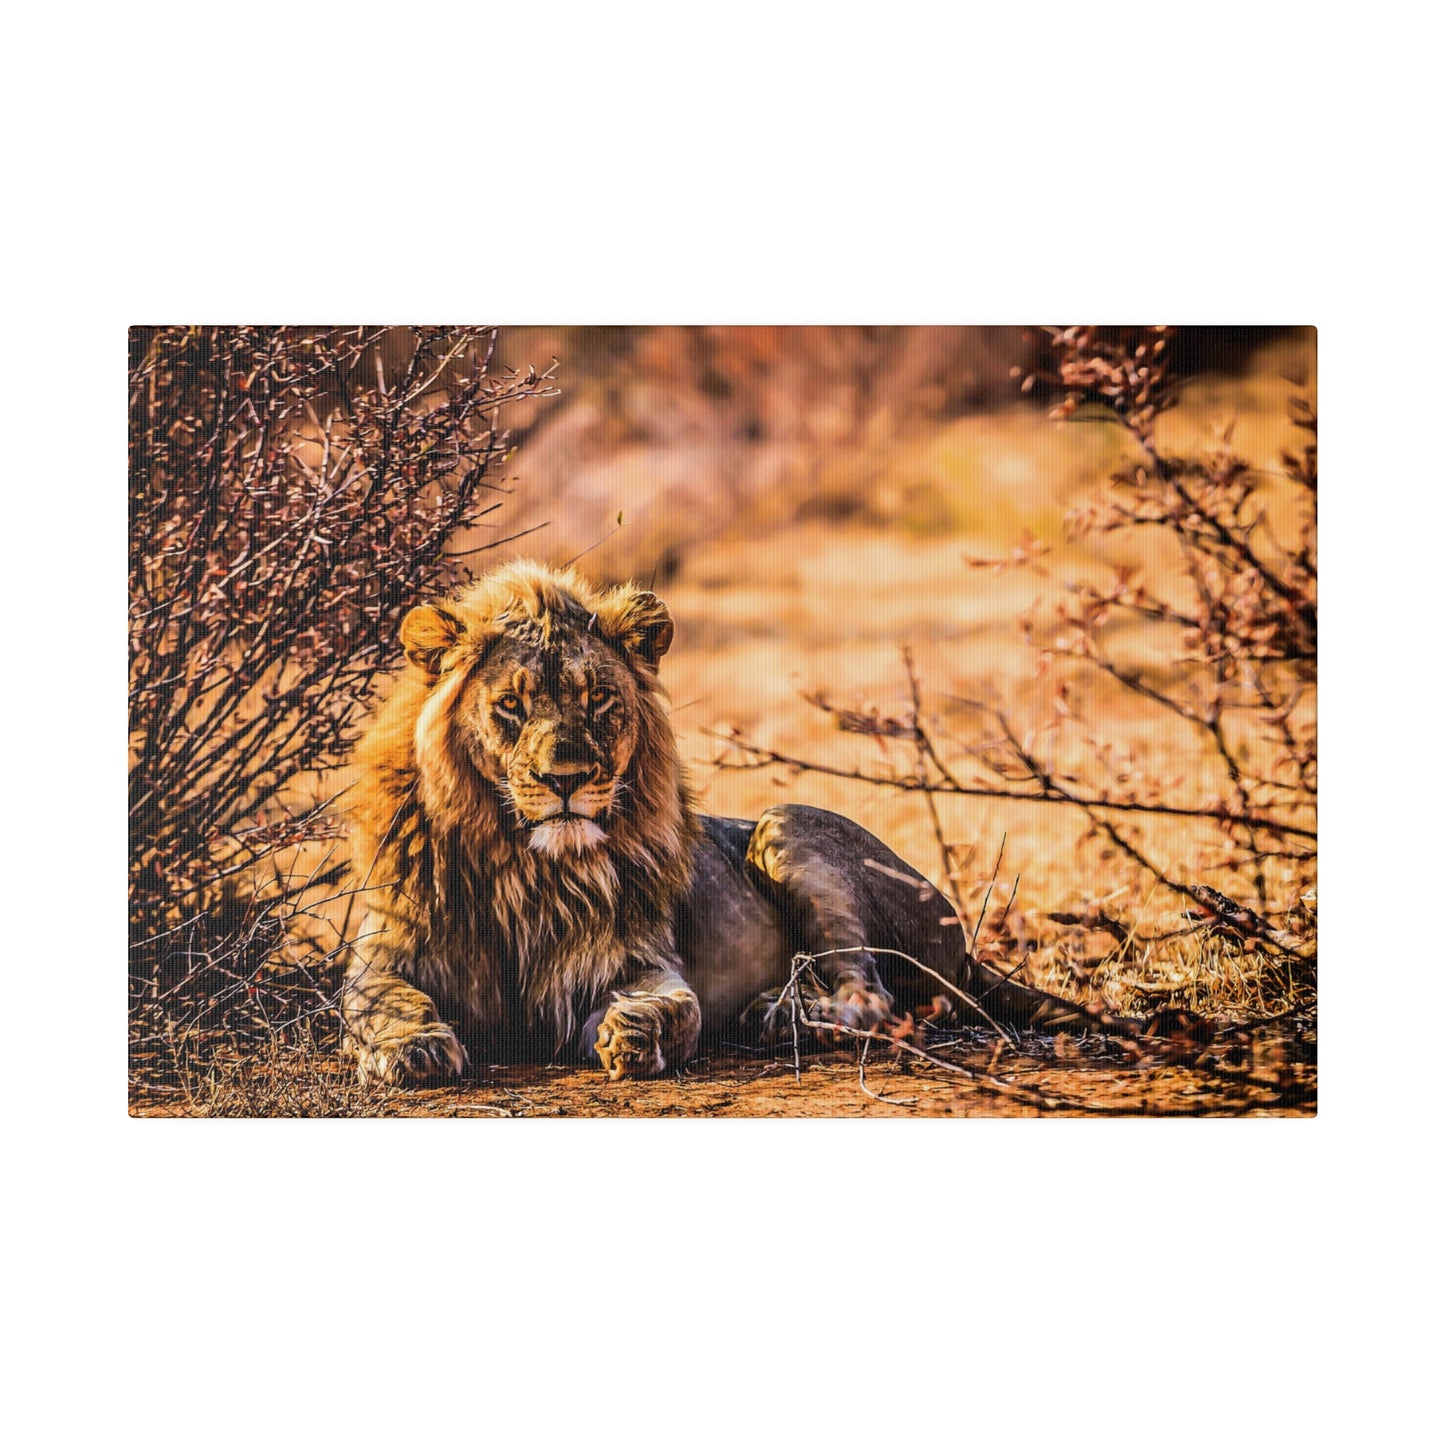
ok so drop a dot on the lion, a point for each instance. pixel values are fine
(540, 884)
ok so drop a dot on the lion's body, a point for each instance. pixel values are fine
(538, 882)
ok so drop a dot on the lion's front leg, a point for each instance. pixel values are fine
(394, 1032)
(651, 1026)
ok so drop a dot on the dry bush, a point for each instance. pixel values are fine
(292, 490)
(1180, 716)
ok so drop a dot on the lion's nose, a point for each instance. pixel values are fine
(564, 784)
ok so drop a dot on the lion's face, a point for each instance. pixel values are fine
(542, 693)
(553, 726)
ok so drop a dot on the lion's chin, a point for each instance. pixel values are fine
(555, 836)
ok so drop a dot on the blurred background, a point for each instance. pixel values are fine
(705, 434)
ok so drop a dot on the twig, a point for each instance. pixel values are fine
(987, 894)
(1017, 1091)
(923, 968)
(926, 754)
(761, 757)
(863, 1084)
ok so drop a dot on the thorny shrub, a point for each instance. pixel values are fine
(1233, 673)
(291, 491)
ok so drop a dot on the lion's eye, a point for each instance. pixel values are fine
(602, 699)
(509, 705)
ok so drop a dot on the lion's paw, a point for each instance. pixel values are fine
(641, 1035)
(852, 1006)
(432, 1053)
(855, 1006)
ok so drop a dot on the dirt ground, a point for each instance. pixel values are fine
(829, 1088)
(1267, 1073)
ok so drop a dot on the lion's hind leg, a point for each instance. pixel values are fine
(840, 887)
(795, 860)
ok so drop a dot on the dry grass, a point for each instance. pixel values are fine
(295, 1072)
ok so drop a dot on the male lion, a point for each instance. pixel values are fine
(538, 880)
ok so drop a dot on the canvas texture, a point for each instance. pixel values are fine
(712, 721)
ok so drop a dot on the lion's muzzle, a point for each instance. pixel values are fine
(563, 809)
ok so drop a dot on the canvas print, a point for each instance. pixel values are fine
(706, 721)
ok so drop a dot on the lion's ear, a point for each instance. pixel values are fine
(638, 623)
(428, 633)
